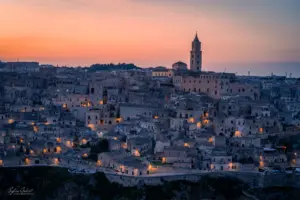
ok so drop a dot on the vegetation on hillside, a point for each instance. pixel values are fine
(112, 67)
(58, 183)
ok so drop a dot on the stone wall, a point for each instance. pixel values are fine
(253, 179)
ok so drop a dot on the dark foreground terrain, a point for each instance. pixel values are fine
(43, 183)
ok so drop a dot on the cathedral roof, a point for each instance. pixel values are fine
(179, 63)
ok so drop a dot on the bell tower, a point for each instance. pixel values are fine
(196, 55)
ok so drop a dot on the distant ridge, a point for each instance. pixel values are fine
(112, 67)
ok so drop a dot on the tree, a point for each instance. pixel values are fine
(76, 141)
(21, 148)
(27, 152)
(87, 145)
(102, 146)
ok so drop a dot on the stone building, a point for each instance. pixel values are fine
(196, 56)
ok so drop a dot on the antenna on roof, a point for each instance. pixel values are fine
(224, 70)
(249, 73)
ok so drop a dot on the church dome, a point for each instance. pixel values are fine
(179, 66)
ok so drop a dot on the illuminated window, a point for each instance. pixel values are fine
(191, 120)
(186, 145)
(237, 134)
(198, 124)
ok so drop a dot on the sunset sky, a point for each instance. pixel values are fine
(150, 32)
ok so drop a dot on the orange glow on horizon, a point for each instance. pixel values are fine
(84, 36)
